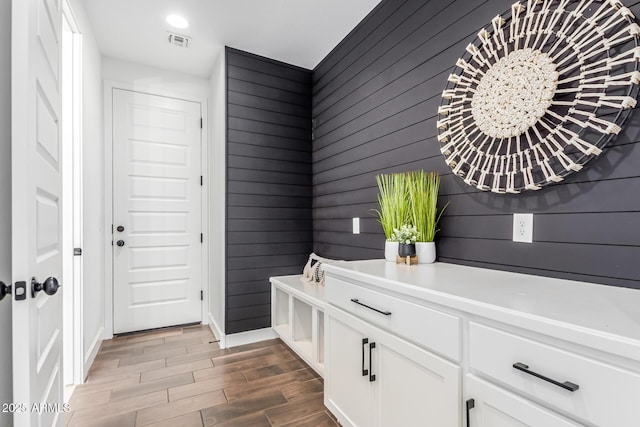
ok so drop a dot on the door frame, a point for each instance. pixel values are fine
(109, 86)
(75, 341)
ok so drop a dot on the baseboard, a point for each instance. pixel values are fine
(92, 353)
(249, 337)
(217, 331)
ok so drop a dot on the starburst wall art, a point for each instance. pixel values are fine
(539, 93)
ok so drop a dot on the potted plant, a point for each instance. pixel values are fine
(406, 237)
(423, 195)
(394, 205)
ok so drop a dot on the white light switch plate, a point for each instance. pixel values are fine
(523, 228)
(356, 225)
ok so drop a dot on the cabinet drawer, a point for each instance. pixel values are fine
(605, 395)
(429, 328)
(494, 406)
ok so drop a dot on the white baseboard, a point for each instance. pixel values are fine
(92, 353)
(217, 331)
(249, 337)
(68, 392)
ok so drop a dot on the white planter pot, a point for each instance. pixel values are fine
(426, 252)
(390, 251)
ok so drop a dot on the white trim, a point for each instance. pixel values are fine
(92, 353)
(109, 86)
(78, 278)
(108, 210)
(204, 206)
(217, 331)
(77, 332)
(250, 337)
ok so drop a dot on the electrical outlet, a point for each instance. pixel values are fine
(523, 228)
(356, 225)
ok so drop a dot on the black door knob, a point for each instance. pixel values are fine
(4, 290)
(120, 228)
(50, 286)
(120, 243)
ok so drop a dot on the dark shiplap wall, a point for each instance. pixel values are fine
(375, 99)
(269, 222)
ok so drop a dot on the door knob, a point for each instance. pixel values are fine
(120, 243)
(4, 290)
(50, 286)
(120, 229)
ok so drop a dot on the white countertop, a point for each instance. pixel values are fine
(599, 316)
(302, 288)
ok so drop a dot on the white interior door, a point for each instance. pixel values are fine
(36, 206)
(156, 211)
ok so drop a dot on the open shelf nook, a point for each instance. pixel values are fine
(297, 309)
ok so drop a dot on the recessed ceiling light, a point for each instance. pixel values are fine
(177, 21)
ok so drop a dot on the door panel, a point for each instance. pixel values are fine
(36, 204)
(157, 199)
(348, 393)
(414, 385)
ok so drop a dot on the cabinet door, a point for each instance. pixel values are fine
(495, 407)
(413, 387)
(348, 394)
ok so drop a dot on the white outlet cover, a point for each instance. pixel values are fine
(356, 225)
(523, 228)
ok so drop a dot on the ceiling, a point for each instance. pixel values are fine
(298, 32)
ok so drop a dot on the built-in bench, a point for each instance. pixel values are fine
(297, 316)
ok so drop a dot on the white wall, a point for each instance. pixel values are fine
(93, 177)
(5, 206)
(145, 78)
(217, 168)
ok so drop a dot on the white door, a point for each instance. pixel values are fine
(36, 205)
(414, 385)
(348, 389)
(156, 211)
(493, 406)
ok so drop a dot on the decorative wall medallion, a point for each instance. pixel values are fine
(540, 93)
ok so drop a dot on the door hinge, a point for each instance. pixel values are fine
(77, 251)
(201, 180)
(201, 295)
(201, 122)
(201, 238)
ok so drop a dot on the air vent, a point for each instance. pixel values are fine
(179, 40)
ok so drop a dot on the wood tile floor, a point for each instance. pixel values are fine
(176, 377)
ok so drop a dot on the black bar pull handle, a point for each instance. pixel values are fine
(372, 377)
(565, 385)
(471, 403)
(386, 313)
(365, 372)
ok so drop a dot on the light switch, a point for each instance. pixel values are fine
(356, 225)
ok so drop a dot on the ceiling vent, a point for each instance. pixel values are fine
(179, 40)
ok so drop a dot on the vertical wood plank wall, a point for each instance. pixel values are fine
(375, 99)
(269, 221)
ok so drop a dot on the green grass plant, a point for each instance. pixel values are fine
(393, 201)
(423, 189)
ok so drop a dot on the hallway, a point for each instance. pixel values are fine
(177, 377)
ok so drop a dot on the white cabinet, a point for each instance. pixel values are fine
(374, 378)
(526, 350)
(491, 406)
(576, 384)
(348, 391)
(298, 319)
